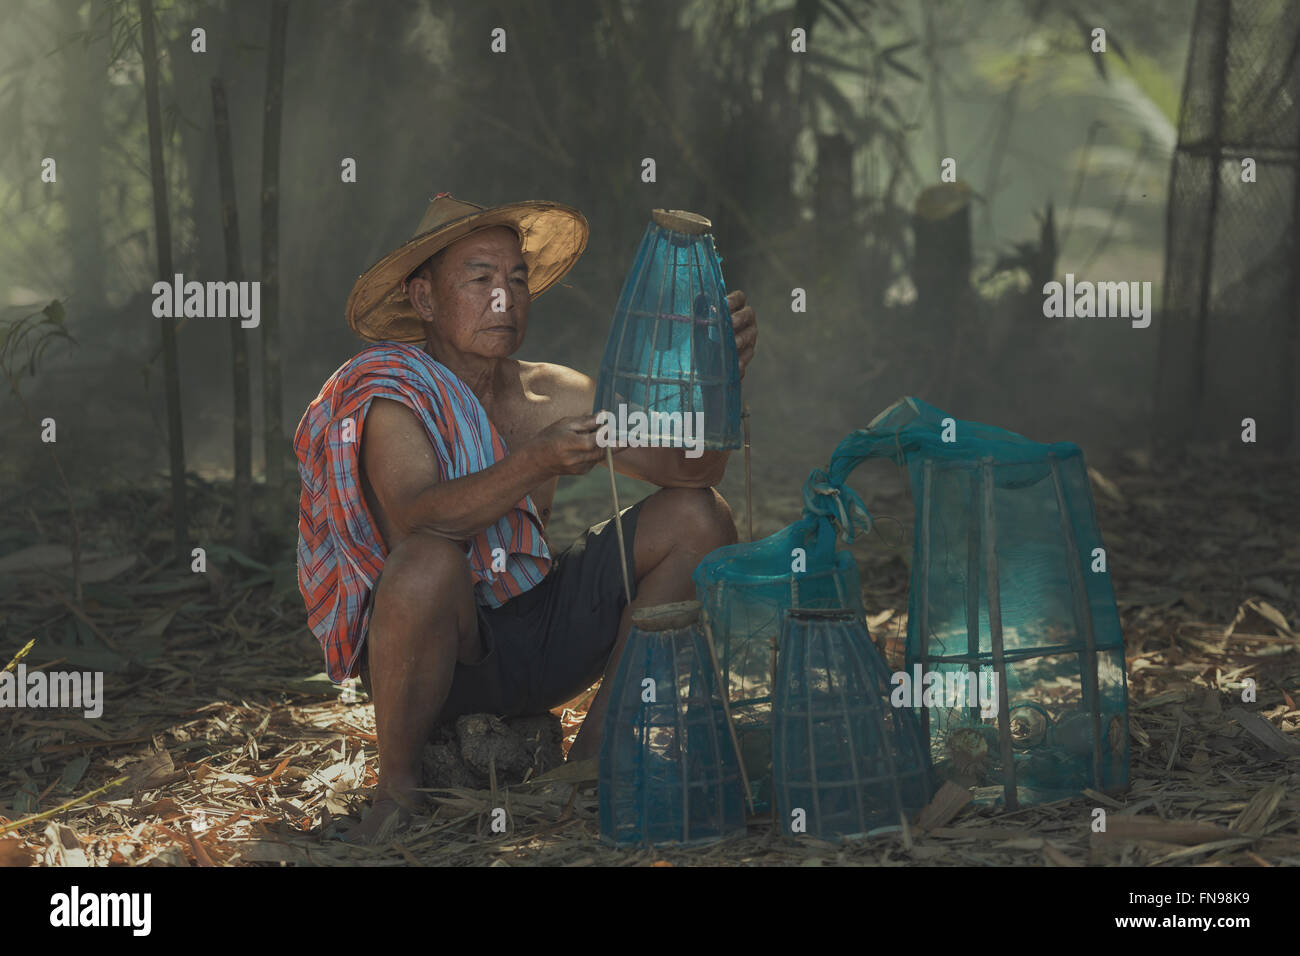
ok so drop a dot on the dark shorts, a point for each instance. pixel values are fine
(552, 642)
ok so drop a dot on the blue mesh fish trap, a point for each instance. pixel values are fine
(745, 590)
(668, 768)
(670, 361)
(845, 758)
(1009, 577)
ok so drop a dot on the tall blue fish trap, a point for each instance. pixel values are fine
(670, 362)
(746, 589)
(668, 769)
(845, 759)
(1009, 590)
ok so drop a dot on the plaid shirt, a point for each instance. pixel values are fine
(340, 550)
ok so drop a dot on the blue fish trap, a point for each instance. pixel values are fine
(745, 590)
(670, 362)
(1009, 581)
(845, 759)
(668, 770)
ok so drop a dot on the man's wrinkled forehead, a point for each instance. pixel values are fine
(497, 240)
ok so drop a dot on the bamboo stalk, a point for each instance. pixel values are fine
(162, 229)
(45, 815)
(243, 436)
(272, 419)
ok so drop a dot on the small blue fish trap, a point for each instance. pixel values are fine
(668, 771)
(845, 760)
(746, 589)
(1009, 578)
(670, 361)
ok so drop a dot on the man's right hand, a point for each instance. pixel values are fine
(568, 447)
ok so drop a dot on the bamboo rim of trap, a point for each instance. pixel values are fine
(666, 617)
(679, 220)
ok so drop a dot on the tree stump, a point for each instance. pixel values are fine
(941, 262)
(463, 754)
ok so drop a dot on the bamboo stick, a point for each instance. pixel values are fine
(26, 649)
(162, 229)
(1091, 685)
(243, 436)
(726, 706)
(749, 497)
(45, 815)
(618, 523)
(272, 422)
(989, 531)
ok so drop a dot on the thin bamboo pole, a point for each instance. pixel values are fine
(922, 561)
(989, 532)
(618, 523)
(55, 811)
(243, 431)
(163, 232)
(1200, 329)
(749, 497)
(683, 765)
(272, 412)
(773, 741)
(726, 706)
(847, 709)
(973, 592)
(1082, 619)
(814, 789)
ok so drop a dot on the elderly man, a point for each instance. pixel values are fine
(428, 475)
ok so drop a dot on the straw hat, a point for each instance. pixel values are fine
(551, 235)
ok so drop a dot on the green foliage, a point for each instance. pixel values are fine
(23, 341)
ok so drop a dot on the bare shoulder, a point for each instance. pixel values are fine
(568, 390)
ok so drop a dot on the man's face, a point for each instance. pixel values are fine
(477, 301)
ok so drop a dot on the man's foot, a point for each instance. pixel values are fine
(388, 814)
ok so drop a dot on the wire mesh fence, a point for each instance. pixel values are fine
(1230, 341)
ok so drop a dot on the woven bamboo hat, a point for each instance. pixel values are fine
(552, 236)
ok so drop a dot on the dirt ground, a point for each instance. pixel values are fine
(221, 743)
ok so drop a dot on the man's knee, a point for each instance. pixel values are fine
(426, 592)
(700, 517)
(425, 579)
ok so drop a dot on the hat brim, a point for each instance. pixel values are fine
(552, 236)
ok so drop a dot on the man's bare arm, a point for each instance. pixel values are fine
(573, 393)
(402, 471)
(665, 467)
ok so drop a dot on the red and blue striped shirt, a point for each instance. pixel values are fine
(340, 549)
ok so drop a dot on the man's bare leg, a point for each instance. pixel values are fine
(423, 620)
(675, 529)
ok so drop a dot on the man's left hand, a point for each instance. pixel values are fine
(745, 325)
